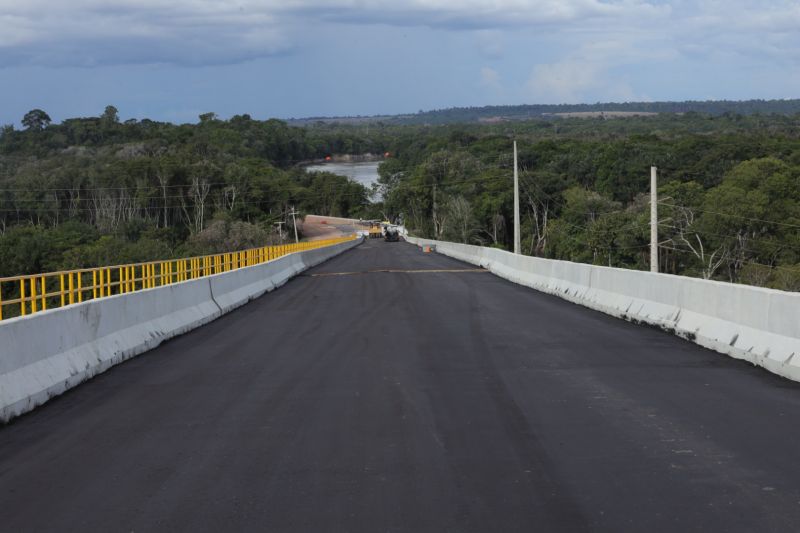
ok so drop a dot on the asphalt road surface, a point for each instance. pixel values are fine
(386, 396)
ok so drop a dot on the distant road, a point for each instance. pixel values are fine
(317, 227)
(390, 390)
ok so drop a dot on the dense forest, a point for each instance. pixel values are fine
(729, 189)
(94, 191)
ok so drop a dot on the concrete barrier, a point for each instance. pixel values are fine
(45, 354)
(759, 325)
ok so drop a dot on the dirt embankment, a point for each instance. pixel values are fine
(315, 227)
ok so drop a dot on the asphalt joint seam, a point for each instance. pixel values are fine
(398, 271)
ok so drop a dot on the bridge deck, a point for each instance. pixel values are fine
(424, 401)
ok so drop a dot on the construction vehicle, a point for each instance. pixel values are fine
(375, 230)
(391, 234)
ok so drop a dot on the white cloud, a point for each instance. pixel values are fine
(594, 71)
(86, 32)
(481, 14)
(706, 34)
(570, 82)
(563, 82)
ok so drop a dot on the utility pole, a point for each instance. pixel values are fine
(517, 237)
(653, 219)
(294, 222)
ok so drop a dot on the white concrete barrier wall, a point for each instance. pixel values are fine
(45, 354)
(752, 323)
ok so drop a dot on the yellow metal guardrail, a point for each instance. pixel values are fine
(39, 292)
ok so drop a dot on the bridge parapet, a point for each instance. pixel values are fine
(46, 353)
(40, 292)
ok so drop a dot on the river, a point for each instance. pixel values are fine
(365, 173)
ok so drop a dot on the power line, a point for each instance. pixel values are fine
(228, 184)
(751, 238)
(563, 205)
(137, 208)
(770, 243)
(137, 198)
(748, 261)
(612, 247)
(296, 193)
(300, 191)
(733, 216)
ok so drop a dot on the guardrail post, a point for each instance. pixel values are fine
(34, 303)
(22, 306)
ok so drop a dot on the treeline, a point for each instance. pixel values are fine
(729, 188)
(463, 115)
(525, 112)
(95, 191)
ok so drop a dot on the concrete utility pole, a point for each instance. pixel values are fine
(517, 237)
(653, 219)
(294, 222)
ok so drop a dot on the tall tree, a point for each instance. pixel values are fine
(110, 115)
(36, 120)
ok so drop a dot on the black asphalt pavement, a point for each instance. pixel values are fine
(387, 398)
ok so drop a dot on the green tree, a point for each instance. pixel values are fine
(36, 120)
(208, 117)
(110, 115)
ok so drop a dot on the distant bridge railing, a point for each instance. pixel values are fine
(38, 292)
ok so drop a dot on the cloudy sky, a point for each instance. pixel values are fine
(296, 58)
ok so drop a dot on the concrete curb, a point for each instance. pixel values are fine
(46, 354)
(758, 325)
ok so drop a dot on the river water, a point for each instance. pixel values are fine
(365, 173)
